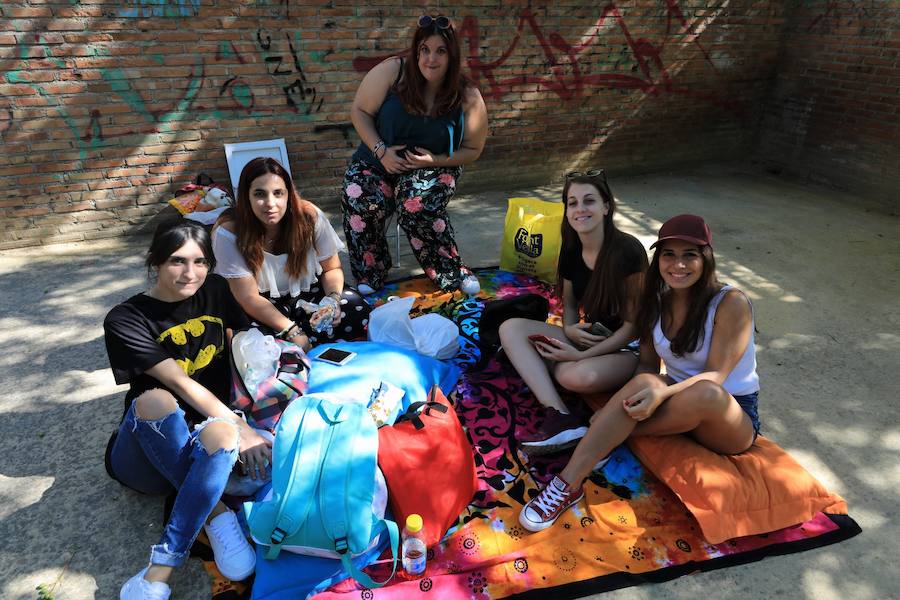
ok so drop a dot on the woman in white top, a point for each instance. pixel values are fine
(703, 332)
(276, 249)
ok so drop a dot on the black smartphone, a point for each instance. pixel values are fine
(598, 328)
(334, 356)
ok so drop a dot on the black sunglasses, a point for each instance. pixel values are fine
(440, 21)
(591, 173)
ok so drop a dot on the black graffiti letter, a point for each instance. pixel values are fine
(264, 45)
(279, 60)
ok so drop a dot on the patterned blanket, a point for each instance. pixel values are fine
(631, 529)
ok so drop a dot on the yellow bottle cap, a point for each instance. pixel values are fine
(414, 523)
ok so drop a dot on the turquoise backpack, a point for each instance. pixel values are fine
(323, 481)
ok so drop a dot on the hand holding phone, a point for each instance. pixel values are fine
(539, 337)
(598, 328)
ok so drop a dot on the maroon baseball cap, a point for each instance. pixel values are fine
(689, 228)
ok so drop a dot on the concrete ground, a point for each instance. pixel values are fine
(821, 266)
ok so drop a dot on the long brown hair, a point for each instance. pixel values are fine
(656, 298)
(607, 291)
(296, 231)
(411, 87)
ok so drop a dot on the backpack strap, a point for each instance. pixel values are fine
(334, 497)
(287, 524)
(380, 527)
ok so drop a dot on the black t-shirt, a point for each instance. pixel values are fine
(143, 331)
(572, 267)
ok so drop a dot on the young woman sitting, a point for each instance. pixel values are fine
(170, 344)
(599, 278)
(277, 249)
(703, 332)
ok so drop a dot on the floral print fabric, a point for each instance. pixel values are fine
(420, 196)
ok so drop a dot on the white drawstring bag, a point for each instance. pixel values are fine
(431, 334)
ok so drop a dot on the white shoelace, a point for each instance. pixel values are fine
(550, 499)
(228, 533)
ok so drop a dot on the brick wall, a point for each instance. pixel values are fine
(833, 115)
(107, 107)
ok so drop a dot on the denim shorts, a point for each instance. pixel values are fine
(750, 405)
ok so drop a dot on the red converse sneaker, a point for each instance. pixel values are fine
(543, 510)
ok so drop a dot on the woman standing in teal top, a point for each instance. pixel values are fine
(420, 120)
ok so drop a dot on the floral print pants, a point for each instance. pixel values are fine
(420, 196)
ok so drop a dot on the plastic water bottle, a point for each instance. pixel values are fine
(413, 546)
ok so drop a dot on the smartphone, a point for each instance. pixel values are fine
(598, 328)
(334, 356)
(538, 337)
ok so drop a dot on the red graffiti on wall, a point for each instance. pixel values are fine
(567, 77)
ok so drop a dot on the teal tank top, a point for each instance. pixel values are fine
(439, 135)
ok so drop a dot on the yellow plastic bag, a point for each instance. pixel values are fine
(531, 238)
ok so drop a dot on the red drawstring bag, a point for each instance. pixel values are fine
(428, 464)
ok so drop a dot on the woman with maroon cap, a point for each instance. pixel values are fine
(703, 331)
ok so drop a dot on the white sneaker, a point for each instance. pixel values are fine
(138, 588)
(470, 285)
(365, 289)
(234, 555)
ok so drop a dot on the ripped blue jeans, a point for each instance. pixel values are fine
(153, 457)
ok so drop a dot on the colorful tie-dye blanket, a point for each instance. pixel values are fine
(630, 528)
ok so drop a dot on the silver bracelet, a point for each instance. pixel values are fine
(378, 146)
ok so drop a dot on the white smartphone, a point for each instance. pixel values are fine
(333, 356)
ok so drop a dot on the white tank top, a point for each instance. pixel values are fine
(741, 381)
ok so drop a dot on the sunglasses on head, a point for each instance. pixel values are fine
(591, 173)
(440, 21)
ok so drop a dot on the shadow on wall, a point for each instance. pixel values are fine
(100, 132)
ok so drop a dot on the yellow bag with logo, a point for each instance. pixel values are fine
(531, 238)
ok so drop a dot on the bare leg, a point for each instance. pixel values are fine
(596, 374)
(529, 364)
(705, 410)
(609, 428)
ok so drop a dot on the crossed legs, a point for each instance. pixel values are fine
(596, 374)
(704, 410)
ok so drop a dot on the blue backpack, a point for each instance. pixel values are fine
(323, 481)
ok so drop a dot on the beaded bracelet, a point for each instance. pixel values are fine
(282, 335)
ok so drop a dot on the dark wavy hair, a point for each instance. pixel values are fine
(296, 230)
(411, 87)
(169, 237)
(606, 292)
(655, 303)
